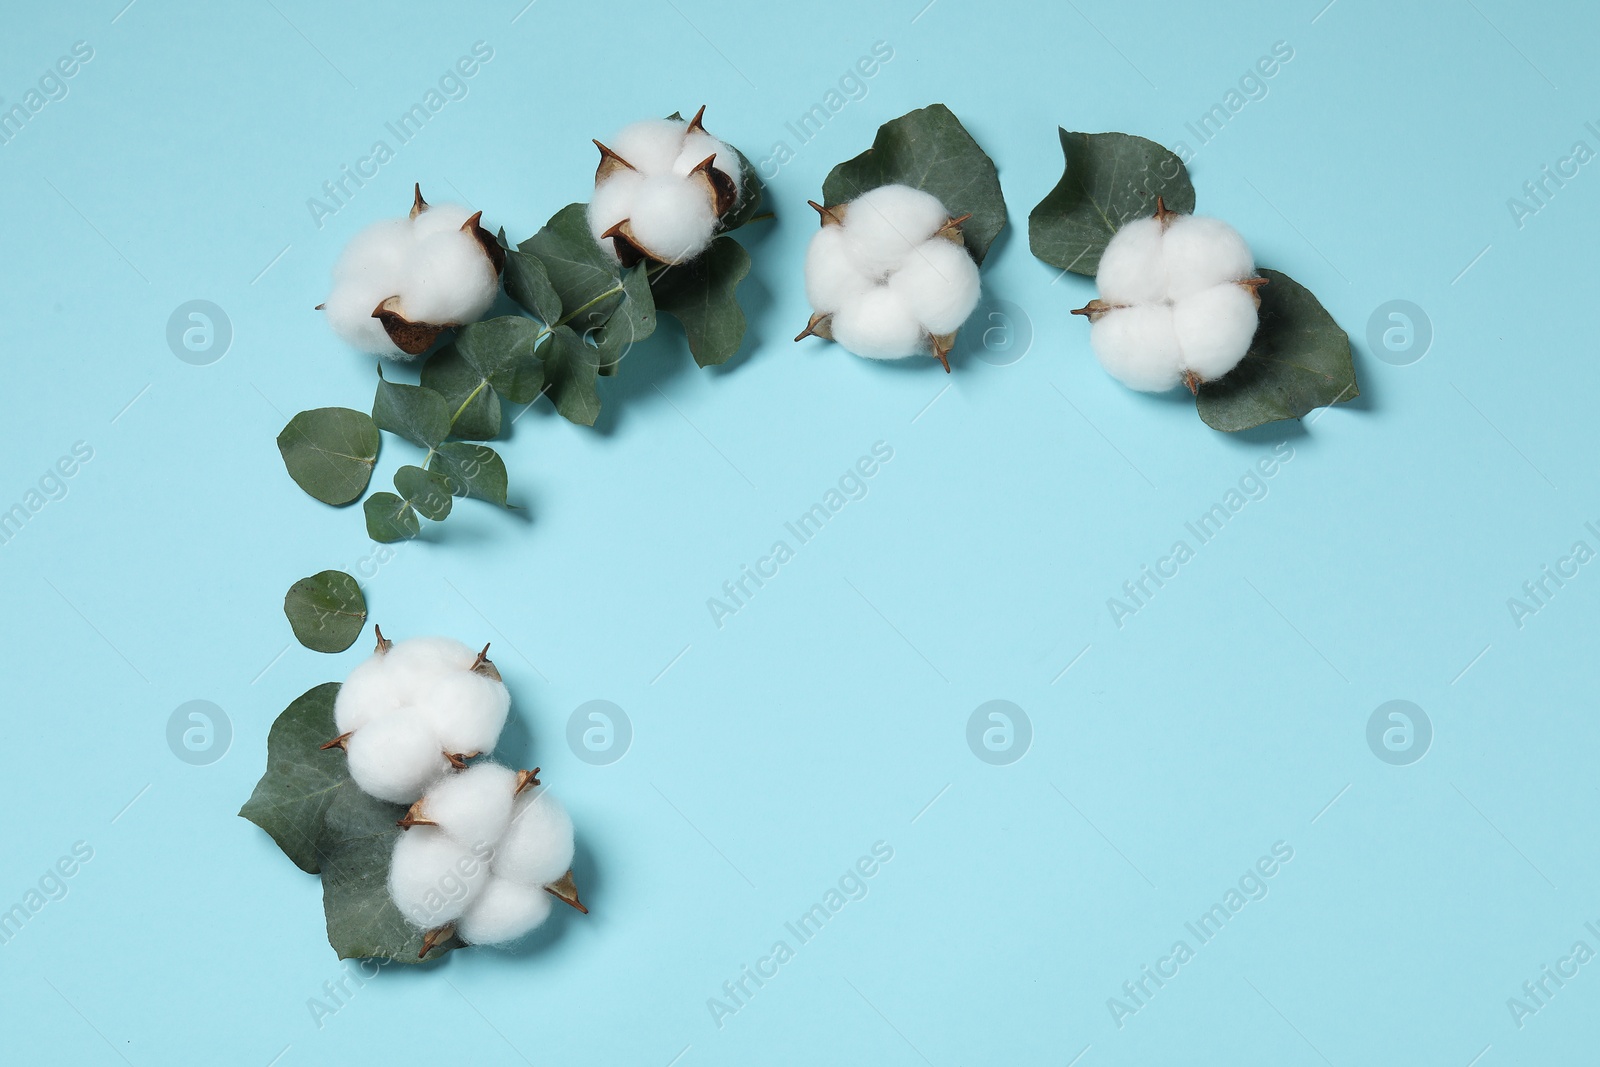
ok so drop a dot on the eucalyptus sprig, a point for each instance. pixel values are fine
(582, 311)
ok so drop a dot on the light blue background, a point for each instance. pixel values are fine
(831, 712)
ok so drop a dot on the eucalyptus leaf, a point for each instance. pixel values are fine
(326, 611)
(413, 412)
(1299, 360)
(528, 284)
(426, 491)
(308, 803)
(300, 781)
(701, 296)
(629, 322)
(390, 518)
(359, 838)
(330, 452)
(471, 470)
(495, 356)
(1110, 179)
(587, 280)
(929, 149)
(471, 404)
(570, 370)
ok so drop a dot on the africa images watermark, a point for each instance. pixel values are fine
(1252, 88)
(752, 578)
(337, 192)
(1538, 591)
(1538, 992)
(1137, 592)
(852, 885)
(852, 87)
(51, 486)
(1537, 193)
(1152, 978)
(50, 87)
(51, 886)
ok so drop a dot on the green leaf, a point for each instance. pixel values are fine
(425, 490)
(1110, 179)
(628, 323)
(587, 280)
(570, 369)
(471, 405)
(326, 611)
(529, 285)
(389, 518)
(1299, 360)
(330, 452)
(311, 807)
(418, 414)
(701, 296)
(486, 358)
(471, 470)
(359, 837)
(929, 149)
(300, 781)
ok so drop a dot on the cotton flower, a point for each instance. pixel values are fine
(497, 850)
(414, 710)
(661, 190)
(888, 275)
(401, 282)
(1178, 302)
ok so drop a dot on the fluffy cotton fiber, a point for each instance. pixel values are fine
(428, 268)
(884, 277)
(434, 879)
(503, 913)
(520, 834)
(473, 807)
(1177, 302)
(652, 190)
(395, 757)
(413, 706)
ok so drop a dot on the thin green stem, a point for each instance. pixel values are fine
(470, 397)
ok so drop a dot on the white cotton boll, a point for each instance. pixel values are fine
(349, 311)
(697, 146)
(1214, 328)
(440, 218)
(465, 710)
(833, 278)
(939, 282)
(378, 254)
(1132, 268)
(886, 223)
(613, 202)
(1201, 252)
(473, 807)
(450, 279)
(374, 689)
(422, 659)
(1138, 346)
(432, 879)
(672, 219)
(503, 912)
(537, 847)
(395, 758)
(880, 325)
(651, 146)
